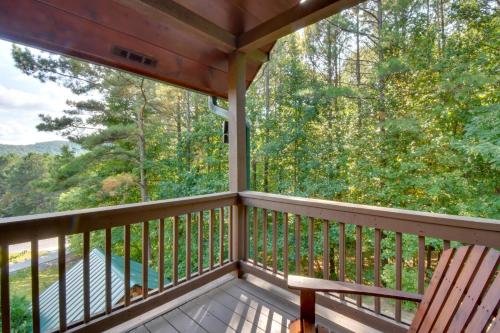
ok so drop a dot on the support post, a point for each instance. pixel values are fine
(237, 148)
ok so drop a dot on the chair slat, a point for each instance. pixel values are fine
(476, 289)
(5, 297)
(275, 241)
(145, 258)
(454, 298)
(62, 282)
(126, 257)
(487, 309)
(495, 325)
(35, 287)
(297, 245)
(444, 288)
(161, 255)
(107, 276)
(285, 245)
(438, 275)
(310, 240)
(200, 243)
(376, 265)
(188, 246)
(326, 250)
(359, 260)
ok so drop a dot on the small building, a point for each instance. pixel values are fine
(49, 299)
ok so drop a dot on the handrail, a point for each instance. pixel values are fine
(195, 214)
(21, 229)
(304, 215)
(210, 213)
(473, 230)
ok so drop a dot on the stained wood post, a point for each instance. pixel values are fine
(237, 148)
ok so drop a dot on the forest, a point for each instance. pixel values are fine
(393, 103)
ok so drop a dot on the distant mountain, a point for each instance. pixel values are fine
(49, 147)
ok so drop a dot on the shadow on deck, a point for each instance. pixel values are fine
(235, 305)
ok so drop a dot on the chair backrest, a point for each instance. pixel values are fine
(463, 294)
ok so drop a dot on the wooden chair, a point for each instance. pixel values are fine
(463, 294)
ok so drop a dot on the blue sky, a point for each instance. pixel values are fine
(22, 98)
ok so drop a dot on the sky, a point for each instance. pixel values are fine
(22, 99)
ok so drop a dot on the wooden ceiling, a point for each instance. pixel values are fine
(183, 42)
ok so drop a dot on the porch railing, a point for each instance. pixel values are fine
(195, 213)
(304, 246)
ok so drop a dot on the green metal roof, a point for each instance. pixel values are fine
(49, 299)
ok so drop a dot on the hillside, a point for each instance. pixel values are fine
(49, 147)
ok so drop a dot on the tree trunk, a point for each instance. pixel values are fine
(358, 71)
(266, 131)
(142, 146)
(188, 131)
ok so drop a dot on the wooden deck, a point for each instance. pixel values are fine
(241, 305)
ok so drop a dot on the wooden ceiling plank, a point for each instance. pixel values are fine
(147, 24)
(33, 23)
(191, 21)
(303, 14)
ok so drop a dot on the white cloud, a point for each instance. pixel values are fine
(22, 99)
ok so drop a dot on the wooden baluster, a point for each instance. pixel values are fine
(221, 237)
(446, 244)
(126, 250)
(107, 276)
(62, 282)
(175, 259)
(5, 297)
(342, 254)
(310, 236)
(255, 236)
(264, 238)
(200, 243)
(145, 258)
(421, 264)
(86, 276)
(326, 250)
(399, 261)
(161, 255)
(211, 238)
(188, 246)
(285, 245)
(297, 245)
(376, 263)
(35, 287)
(359, 260)
(275, 242)
(230, 236)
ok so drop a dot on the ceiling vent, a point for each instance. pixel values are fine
(134, 56)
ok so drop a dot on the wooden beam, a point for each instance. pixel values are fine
(257, 56)
(300, 16)
(188, 20)
(237, 147)
(237, 125)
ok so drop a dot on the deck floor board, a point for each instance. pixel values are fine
(241, 305)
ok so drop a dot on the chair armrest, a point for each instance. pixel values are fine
(307, 283)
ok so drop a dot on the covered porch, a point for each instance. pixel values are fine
(216, 50)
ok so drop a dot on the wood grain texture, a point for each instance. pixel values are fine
(35, 287)
(306, 283)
